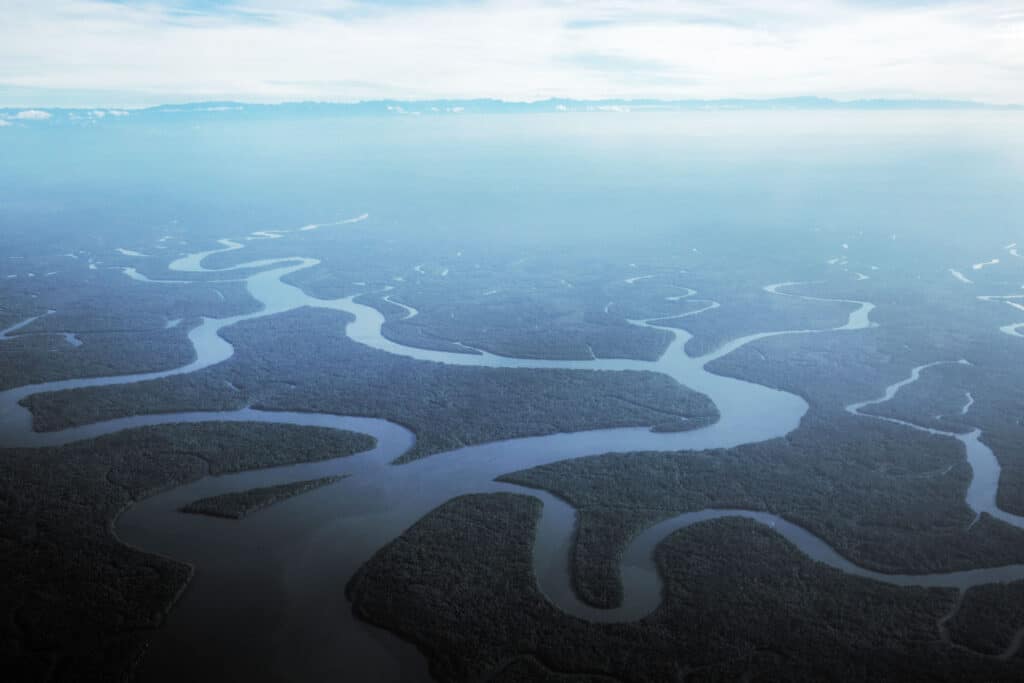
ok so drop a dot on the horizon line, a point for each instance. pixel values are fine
(795, 101)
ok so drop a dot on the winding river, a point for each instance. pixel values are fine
(267, 592)
(1013, 329)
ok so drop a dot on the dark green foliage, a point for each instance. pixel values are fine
(76, 604)
(554, 312)
(35, 358)
(833, 370)
(529, 670)
(748, 309)
(421, 337)
(739, 602)
(890, 499)
(128, 338)
(989, 617)
(538, 267)
(238, 505)
(446, 406)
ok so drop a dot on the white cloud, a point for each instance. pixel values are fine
(32, 115)
(4, 123)
(272, 50)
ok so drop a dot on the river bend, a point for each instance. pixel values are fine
(294, 558)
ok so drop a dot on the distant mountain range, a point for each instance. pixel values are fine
(479, 106)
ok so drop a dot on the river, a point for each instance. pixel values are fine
(267, 595)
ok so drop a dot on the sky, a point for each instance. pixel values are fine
(121, 54)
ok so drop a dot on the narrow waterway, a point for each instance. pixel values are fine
(268, 591)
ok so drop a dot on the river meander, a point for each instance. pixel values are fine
(267, 595)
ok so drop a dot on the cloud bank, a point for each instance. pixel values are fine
(32, 115)
(96, 53)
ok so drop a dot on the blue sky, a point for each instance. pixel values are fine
(105, 53)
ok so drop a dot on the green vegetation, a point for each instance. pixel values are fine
(410, 333)
(30, 359)
(529, 670)
(75, 604)
(447, 407)
(1006, 442)
(935, 400)
(833, 370)
(740, 603)
(238, 505)
(748, 309)
(989, 618)
(541, 256)
(888, 498)
(521, 310)
(528, 328)
(127, 338)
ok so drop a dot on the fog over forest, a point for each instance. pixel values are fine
(607, 389)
